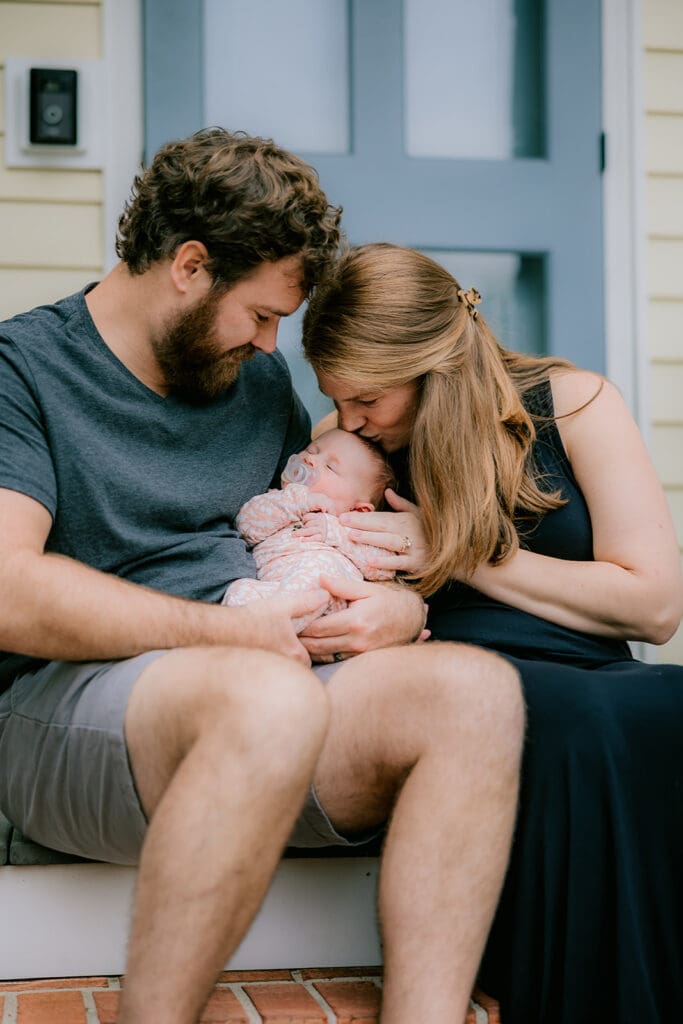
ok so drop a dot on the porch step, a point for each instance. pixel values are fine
(343, 995)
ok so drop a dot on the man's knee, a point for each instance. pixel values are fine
(461, 694)
(257, 699)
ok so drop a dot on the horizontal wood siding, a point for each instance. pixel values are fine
(51, 221)
(663, 93)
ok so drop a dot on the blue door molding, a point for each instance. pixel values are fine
(549, 206)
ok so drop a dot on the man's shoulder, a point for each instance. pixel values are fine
(266, 376)
(27, 327)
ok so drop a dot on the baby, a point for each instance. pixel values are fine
(295, 532)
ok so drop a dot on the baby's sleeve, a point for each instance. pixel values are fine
(266, 514)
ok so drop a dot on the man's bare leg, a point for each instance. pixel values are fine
(436, 731)
(223, 745)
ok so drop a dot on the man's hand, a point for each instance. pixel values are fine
(377, 616)
(267, 624)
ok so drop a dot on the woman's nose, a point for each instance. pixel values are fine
(351, 421)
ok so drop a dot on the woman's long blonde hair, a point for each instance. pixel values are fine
(386, 316)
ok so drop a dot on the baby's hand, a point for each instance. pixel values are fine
(314, 528)
(319, 503)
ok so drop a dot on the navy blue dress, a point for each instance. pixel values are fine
(589, 929)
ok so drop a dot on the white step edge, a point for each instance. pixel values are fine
(71, 920)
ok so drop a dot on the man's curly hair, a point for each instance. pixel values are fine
(246, 199)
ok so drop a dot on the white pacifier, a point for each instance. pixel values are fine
(299, 472)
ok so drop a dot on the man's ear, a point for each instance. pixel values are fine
(364, 506)
(189, 267)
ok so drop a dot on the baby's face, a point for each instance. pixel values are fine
(347, 471)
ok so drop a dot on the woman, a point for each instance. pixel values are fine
(537, 528)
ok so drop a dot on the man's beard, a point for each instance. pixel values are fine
(194, 364)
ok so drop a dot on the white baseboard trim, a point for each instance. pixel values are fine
(71, 920)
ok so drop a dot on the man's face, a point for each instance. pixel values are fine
(200, 350)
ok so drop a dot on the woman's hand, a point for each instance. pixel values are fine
(377, 616)
(400, 533)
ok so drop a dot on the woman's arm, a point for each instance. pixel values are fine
(633, 589)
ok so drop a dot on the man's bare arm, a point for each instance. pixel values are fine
(54, 607)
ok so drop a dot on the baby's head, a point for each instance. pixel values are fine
(351, 471)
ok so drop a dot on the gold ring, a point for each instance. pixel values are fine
(407, 545)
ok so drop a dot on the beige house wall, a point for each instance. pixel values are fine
(51, 221)
(663, 133)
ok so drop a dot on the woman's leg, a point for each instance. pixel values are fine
(590, 923)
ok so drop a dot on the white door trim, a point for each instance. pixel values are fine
(623, 199)
(122, 50)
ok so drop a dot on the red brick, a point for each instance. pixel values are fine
(490, 1005)
(223, 1008)
(352, 1000)
(36, 985)
(245, 976)
(51, 1008)
(285, 1004)
(107, 1004)
(311, 973)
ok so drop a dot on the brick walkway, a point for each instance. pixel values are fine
(345, 995)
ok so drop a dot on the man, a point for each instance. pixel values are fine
(144, 722)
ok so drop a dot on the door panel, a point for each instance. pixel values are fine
(525, 70)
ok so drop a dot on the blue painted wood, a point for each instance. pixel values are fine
(173, 58)
(549, 206)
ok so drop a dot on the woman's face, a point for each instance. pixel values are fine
(386, 417)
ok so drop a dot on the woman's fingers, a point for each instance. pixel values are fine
(393, 542)
(375, 522)
(398, 503)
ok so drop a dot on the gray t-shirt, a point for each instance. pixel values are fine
(138, 485)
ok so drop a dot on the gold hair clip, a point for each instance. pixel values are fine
(471, 298)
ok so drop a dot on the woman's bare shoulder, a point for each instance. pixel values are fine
(574, 390)
(328, 422)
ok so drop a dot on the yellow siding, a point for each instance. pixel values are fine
(50, 235)
(27, 287)
(664, 263)
(664, 330)
(663, 94)
(663, 24)
(664, 144)
(49, 30)
(45, 184)
(666, 392)
(665, 207)
(51, 221)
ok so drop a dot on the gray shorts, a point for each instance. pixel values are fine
(65, 776)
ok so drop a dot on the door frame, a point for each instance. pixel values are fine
(625, 295)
